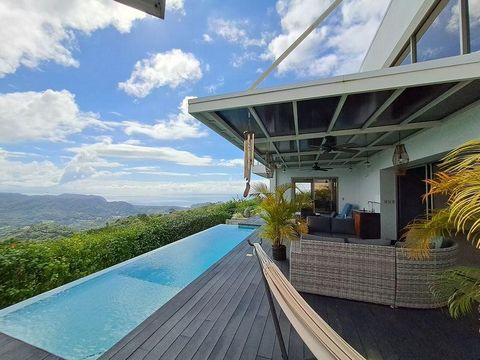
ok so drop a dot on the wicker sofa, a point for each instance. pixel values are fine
(371, 273)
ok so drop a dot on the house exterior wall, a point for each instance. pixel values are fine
(403, 16)
(377, 183)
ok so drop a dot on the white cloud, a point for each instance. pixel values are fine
(230, 163)
(108, 149)
(38, 31)
(207, 38)
(178, 126)
(336, 47)
(47, 115)
(234, 31)
(16, 173)
(214, 174)
(85, 164)
(172, 68)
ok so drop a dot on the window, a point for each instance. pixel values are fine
(322, 190)
(474, 16)
(440, 36)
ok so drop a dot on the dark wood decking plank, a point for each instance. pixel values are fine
(165, 335)
(16, 349)
(254, 336)
(267, 341)
(158, 344)
(227, 304)
(173, 309)
(234, 335)
(285, 328)
(175, 348)
(235, 307)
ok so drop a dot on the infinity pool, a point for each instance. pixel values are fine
(83, 319)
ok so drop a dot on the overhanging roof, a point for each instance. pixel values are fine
(372, 109)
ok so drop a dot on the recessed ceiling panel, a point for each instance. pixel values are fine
(277, 118)
(410, 101)
(358, 108)
(239, 121)
(454, 102)
(315, 115)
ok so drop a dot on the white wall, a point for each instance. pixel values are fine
(362, 184)
(401, 19)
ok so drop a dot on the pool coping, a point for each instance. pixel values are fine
(39, 297)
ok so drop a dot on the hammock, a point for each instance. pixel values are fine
(319, 337)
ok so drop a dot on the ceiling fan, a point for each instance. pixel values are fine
(329, 144)
(316, 167)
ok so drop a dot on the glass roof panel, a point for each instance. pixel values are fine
(457, 101)
(315, 115)
(239, 121)
(366, 139)
(310, 144)
(393, 137)
(358, 108)
(410, 101)
(277, 118)
(286, 146)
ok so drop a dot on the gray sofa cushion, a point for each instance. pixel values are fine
(381, 242)
(322, 238)
(319, 224)
(343, 226)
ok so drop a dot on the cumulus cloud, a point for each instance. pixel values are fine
(233, 31)
(85, 164)
(230, 163)
(336, 47)
(178, 126)
(207, 38)
(15, 173)
(46, 115)
(108, 149)
(172, 68)
(45, 30)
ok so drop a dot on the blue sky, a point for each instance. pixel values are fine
(93, 94)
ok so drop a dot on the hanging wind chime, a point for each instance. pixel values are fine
(248, 156)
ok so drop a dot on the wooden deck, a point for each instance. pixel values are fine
(224, 314)
(14, 349)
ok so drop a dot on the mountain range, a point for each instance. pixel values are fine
(73, 210)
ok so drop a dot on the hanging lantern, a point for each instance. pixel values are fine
(400, 159)
(270, 165)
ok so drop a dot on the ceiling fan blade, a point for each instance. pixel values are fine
(345, 150)
(348, 145)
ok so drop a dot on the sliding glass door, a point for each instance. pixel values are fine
(323, 192)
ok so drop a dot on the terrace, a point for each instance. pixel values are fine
(224, 314)
(341, 132)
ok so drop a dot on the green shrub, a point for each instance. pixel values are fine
(29, 268)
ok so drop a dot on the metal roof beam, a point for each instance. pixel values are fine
(384, 107)
(370, 130)
(297, 42)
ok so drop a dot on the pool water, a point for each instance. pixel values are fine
(83, 319)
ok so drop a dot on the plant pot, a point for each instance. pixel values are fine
(279, 252)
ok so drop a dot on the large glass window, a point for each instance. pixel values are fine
(322, 190)
(474, 12)
(440, 35)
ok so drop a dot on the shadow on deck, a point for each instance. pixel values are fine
(224, 314)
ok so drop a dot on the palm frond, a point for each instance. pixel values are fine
(461, 286)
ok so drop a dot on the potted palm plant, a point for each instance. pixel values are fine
(459, 179)
(278, 212)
